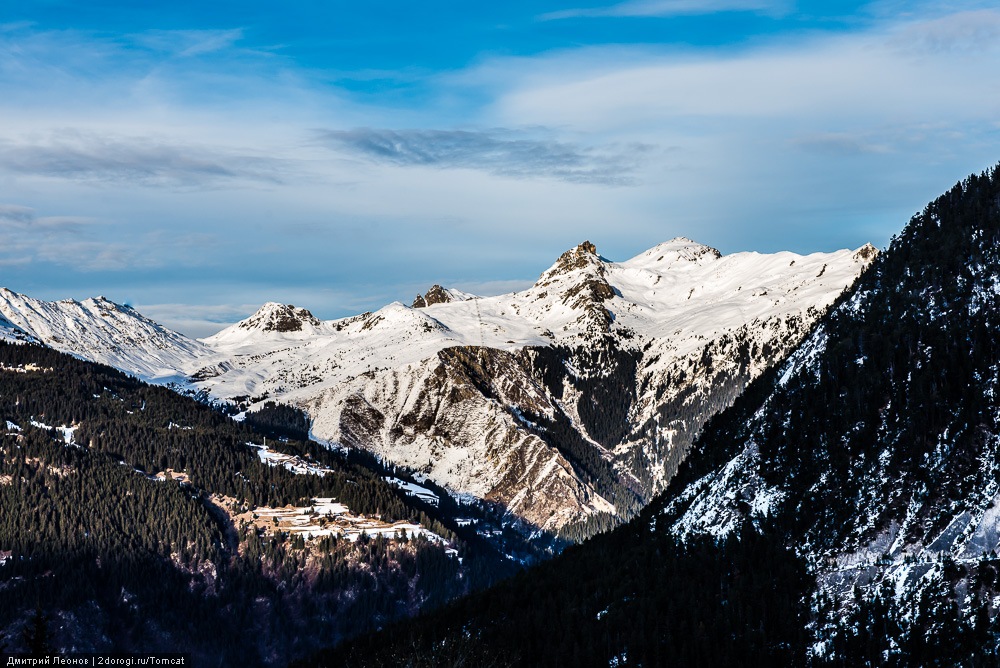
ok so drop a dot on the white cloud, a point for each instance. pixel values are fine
(974, 31)
(862, 77)
(196, 320)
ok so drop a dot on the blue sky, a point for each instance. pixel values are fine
(198, 159)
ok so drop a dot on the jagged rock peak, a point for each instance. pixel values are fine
(441, 295)
(274, 317)
(436, 295)
(581, 257)
(578, 279)
(866, 253)
(576, 258)
(101, 303)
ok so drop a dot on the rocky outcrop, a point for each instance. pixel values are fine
(436, 295)
(274, 317)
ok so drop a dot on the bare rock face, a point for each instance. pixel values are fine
(464, 419)
(584, 256)
(441, 295)
(436, 295)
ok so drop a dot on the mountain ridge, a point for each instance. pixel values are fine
(599, 375)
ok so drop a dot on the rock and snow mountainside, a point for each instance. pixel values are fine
(575, 398)
(11, 333)
(439, 295)
(101, 331)
(874, 451)
(571, 402)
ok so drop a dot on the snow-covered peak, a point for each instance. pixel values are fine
(100, 330)
(581, 259)
(575, 287)
(676, 253)
(395, 318)
(272, 320)
(275, 317)
(866, 253)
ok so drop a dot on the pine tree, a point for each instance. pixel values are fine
(36, 634)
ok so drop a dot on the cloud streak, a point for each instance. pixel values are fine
(499, 151)
(189, 43)
(59, 240)
(85, 244)
(663, 8)
(103, 158)
(864, 83)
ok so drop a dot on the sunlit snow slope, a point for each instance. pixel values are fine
(102, 331)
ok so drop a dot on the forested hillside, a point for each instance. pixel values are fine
(137, 519)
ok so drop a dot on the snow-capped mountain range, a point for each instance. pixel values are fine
(102, 331)
(572, 400)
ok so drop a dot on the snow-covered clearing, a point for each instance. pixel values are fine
(415, 490)
(328, 517)
(296, 465)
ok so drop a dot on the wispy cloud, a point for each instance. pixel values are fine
(60, 240)
(87, 244)
(809, 82)
(841, 143)
(23, 218)
(93, 255)
(188, 43)
(103, 158)
(641, 8)
(974, 31)
(499, 151)
(12, 214)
